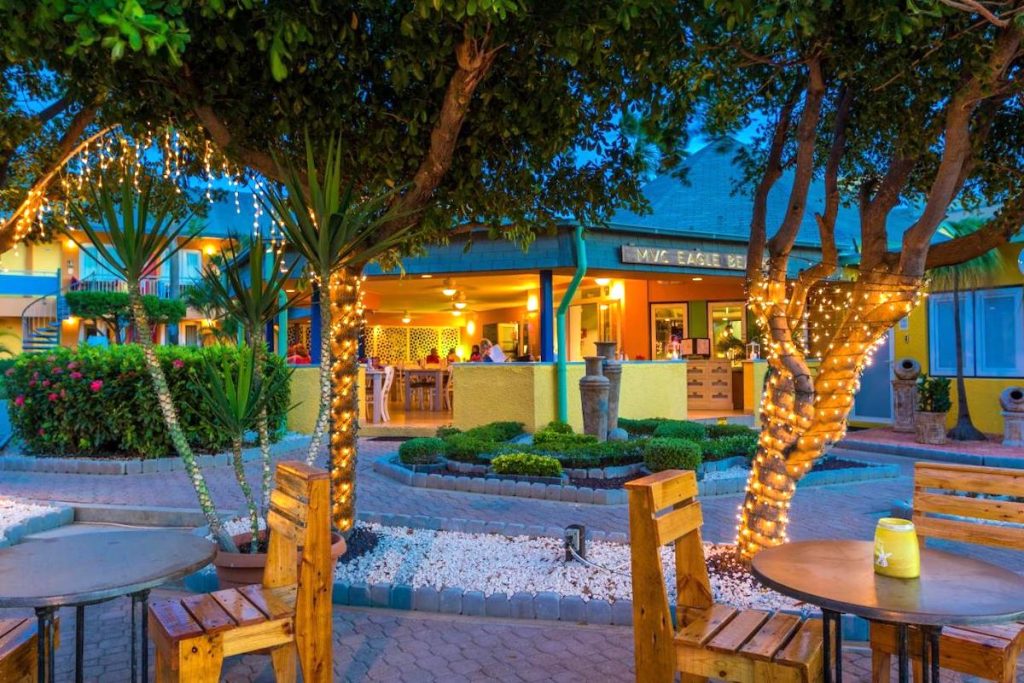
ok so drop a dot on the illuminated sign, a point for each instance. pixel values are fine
(691, 258)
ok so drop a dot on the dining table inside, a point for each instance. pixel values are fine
(427, 375)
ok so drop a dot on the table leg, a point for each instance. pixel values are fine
(902, 652)
(144, 600)
(140, 602)
(408, 392)
(438, 388)
(79, 641)
(930, 636)
(832, 642)
(135, 659)
(44, 658)
(378, 399)
(826, 645)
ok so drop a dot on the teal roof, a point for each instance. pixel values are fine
(711, 202)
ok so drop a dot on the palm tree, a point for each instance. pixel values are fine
(235, 399)
(964, 276)
(247, 289)
(337, 231)
(137, 231)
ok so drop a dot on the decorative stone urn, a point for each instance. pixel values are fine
(594, 388)
(612, 368)
(1012, 401)
(930, 428)
(904, 389)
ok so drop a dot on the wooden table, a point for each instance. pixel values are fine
(839, 577)
(85, 569)
(377, 378)
(438, 375)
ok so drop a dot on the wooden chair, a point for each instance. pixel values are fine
(712, 640)
(289, 614)
(449, 387)
(941, 491)
(19, 657)
(389, 378)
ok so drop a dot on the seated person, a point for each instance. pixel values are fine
(297, 355)
(433, 358)
(492, 353)
(452, 357)
(475, 356)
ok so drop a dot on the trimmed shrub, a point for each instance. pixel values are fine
(560, 443)
(421, 451)
(496, 431)
(100, 401)
(644, 427)
(672, 454)
(681, 429)
(445, 432)
(467, 448)
(717, 431)
(607, 454)
(728, 446)
(527, 464)
(557, 427)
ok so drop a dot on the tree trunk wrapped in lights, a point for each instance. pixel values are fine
(324, 411)
(346, 323)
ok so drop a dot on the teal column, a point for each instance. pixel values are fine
(561, 369)
(282, 326)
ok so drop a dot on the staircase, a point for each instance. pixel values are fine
(41, 323)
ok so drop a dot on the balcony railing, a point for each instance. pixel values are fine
(149, 286)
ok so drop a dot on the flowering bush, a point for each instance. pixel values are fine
(100, 401)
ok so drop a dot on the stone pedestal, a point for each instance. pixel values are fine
(904, 390)
(594, 388)
(1012, 401)
(612, 369)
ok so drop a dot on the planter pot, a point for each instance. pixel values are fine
(1012, 401)
(930, 428)
(243, 569)
(594, 388)
(612, 369)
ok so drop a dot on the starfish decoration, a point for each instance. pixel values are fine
(881, 557)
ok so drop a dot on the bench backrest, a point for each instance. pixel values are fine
(675, 493)
(941, 491)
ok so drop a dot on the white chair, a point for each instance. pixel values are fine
(448, 387)
(389, 379)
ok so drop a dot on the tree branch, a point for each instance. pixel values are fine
(975, 6)
(223, 138)
(874, 211)
(1003, 227)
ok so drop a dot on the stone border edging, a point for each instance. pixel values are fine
(61, 465)
(930, 454)
(33, 525)
(569, 493)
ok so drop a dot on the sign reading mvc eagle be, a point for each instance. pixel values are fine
(693, 258)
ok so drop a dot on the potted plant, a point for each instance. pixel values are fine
(236, 398)
(932, 405)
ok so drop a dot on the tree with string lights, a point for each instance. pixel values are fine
(890, 106)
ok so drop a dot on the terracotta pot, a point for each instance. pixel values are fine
(930, 428)
(242, 569)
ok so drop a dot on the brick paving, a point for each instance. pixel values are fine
(384, 645)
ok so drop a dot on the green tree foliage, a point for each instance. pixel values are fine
(114, 308)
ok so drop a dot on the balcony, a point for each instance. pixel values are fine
(28, 283)
(150, 286)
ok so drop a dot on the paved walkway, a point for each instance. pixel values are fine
(382, 645)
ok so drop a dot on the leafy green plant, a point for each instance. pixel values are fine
(681, 429)
(933, 394)
(446, 431)
(645, 426)
(114, 308)
(716, 431)
(559, 442)
(421, 451)
(606, 454)
(557, 427)
(729, 446)
(468, 448)
(672, 454)
(497, 431)
(527, 464)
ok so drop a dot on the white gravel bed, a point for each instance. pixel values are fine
(14, 512)
(498, 564)
(728, 473)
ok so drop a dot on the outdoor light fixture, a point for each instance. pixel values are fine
(531, 302)
(449, 287)
(426, 276)
(405, 317)
(70, 244)
(697, 279)
(460, 301)
(210, 250)
(602, 281)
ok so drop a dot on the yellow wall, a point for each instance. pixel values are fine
(10, 334)
(305, 387)
(982, 393)
(45, 257)
(754, 373)
(525, 392)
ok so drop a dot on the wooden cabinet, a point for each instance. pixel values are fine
(709, 384)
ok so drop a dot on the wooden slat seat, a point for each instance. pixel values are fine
(712, 640)
(289, 615)
(18, 655)
(947, 507)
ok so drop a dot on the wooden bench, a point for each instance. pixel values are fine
(289, 614)
(712, 640)
(19, 657)
(941, 492)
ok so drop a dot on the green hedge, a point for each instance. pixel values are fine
(527, 464)
(643, 427)
(717, 431)
(421, 451)
(100, 401)
(729, 446)
(496, 431)
(672, 454)
(103, 305)
(682, 429)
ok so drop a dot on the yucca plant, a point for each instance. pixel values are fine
(134, 230)
(247, 289)
(236, 400)
(337, 230)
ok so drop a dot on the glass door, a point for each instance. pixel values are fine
(727, 322)
(668, 329)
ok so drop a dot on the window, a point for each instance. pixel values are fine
(91, 267)
(999, 352)
(727, 323)
(191, 265)
(191, 335)
(991, 323)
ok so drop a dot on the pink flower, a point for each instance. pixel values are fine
(53, 397)
(76, 375)
(42, 432)
(35, 375)
(57, 371)
(46, 382)
(19, 401)
(96, 384)
(73, 365)
(31, 383)
(10, 372)
(178, 363)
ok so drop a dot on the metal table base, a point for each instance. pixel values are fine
(832, 642)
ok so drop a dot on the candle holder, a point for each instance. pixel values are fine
(897, 552)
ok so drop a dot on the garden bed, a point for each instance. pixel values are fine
(19, 518)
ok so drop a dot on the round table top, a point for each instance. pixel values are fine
(84, 568)
(840, 576)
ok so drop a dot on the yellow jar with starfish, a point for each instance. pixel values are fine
(897, 553)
